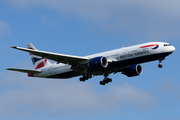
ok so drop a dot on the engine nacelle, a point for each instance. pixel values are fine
(133, 70)
(98, 62)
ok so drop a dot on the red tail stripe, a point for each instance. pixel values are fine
(42, 64)
(32, 49)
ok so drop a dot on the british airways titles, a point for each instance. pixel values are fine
(132, 54)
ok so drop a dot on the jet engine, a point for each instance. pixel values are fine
(98, 62)
(133, 70)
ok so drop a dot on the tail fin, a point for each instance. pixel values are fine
(38, 62)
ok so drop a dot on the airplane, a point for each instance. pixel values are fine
(125, 60)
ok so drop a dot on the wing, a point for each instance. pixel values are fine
(24, 70)
(60, 58)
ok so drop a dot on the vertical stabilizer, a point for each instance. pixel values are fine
(38, 61)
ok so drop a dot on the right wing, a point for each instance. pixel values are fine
(60, 58)
(25, 70)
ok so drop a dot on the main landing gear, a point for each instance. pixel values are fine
(85, 77)
(160, 61)
(105, 80)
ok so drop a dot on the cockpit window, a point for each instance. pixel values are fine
(167, 44)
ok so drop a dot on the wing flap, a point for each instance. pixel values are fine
(60, 58)
(24, 70)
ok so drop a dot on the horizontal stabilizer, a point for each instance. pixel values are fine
(25, 70)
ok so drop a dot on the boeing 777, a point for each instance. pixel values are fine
(125, 60)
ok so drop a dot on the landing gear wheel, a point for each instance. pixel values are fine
(160, 66)
(85, 77)
(110, 80)
(105, 81)
(102, 83)
(82, 79)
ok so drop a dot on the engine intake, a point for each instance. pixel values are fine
(98, 62)
(133, 70)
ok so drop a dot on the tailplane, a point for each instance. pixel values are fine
(38, 62)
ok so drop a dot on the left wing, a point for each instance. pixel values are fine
(60, 58)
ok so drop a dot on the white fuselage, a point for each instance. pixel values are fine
(117, 59)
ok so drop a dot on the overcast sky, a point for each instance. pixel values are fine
(82, 28)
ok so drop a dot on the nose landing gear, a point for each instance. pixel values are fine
(160, 61)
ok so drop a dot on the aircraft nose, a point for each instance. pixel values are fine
(173, 48)
(169, 49)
